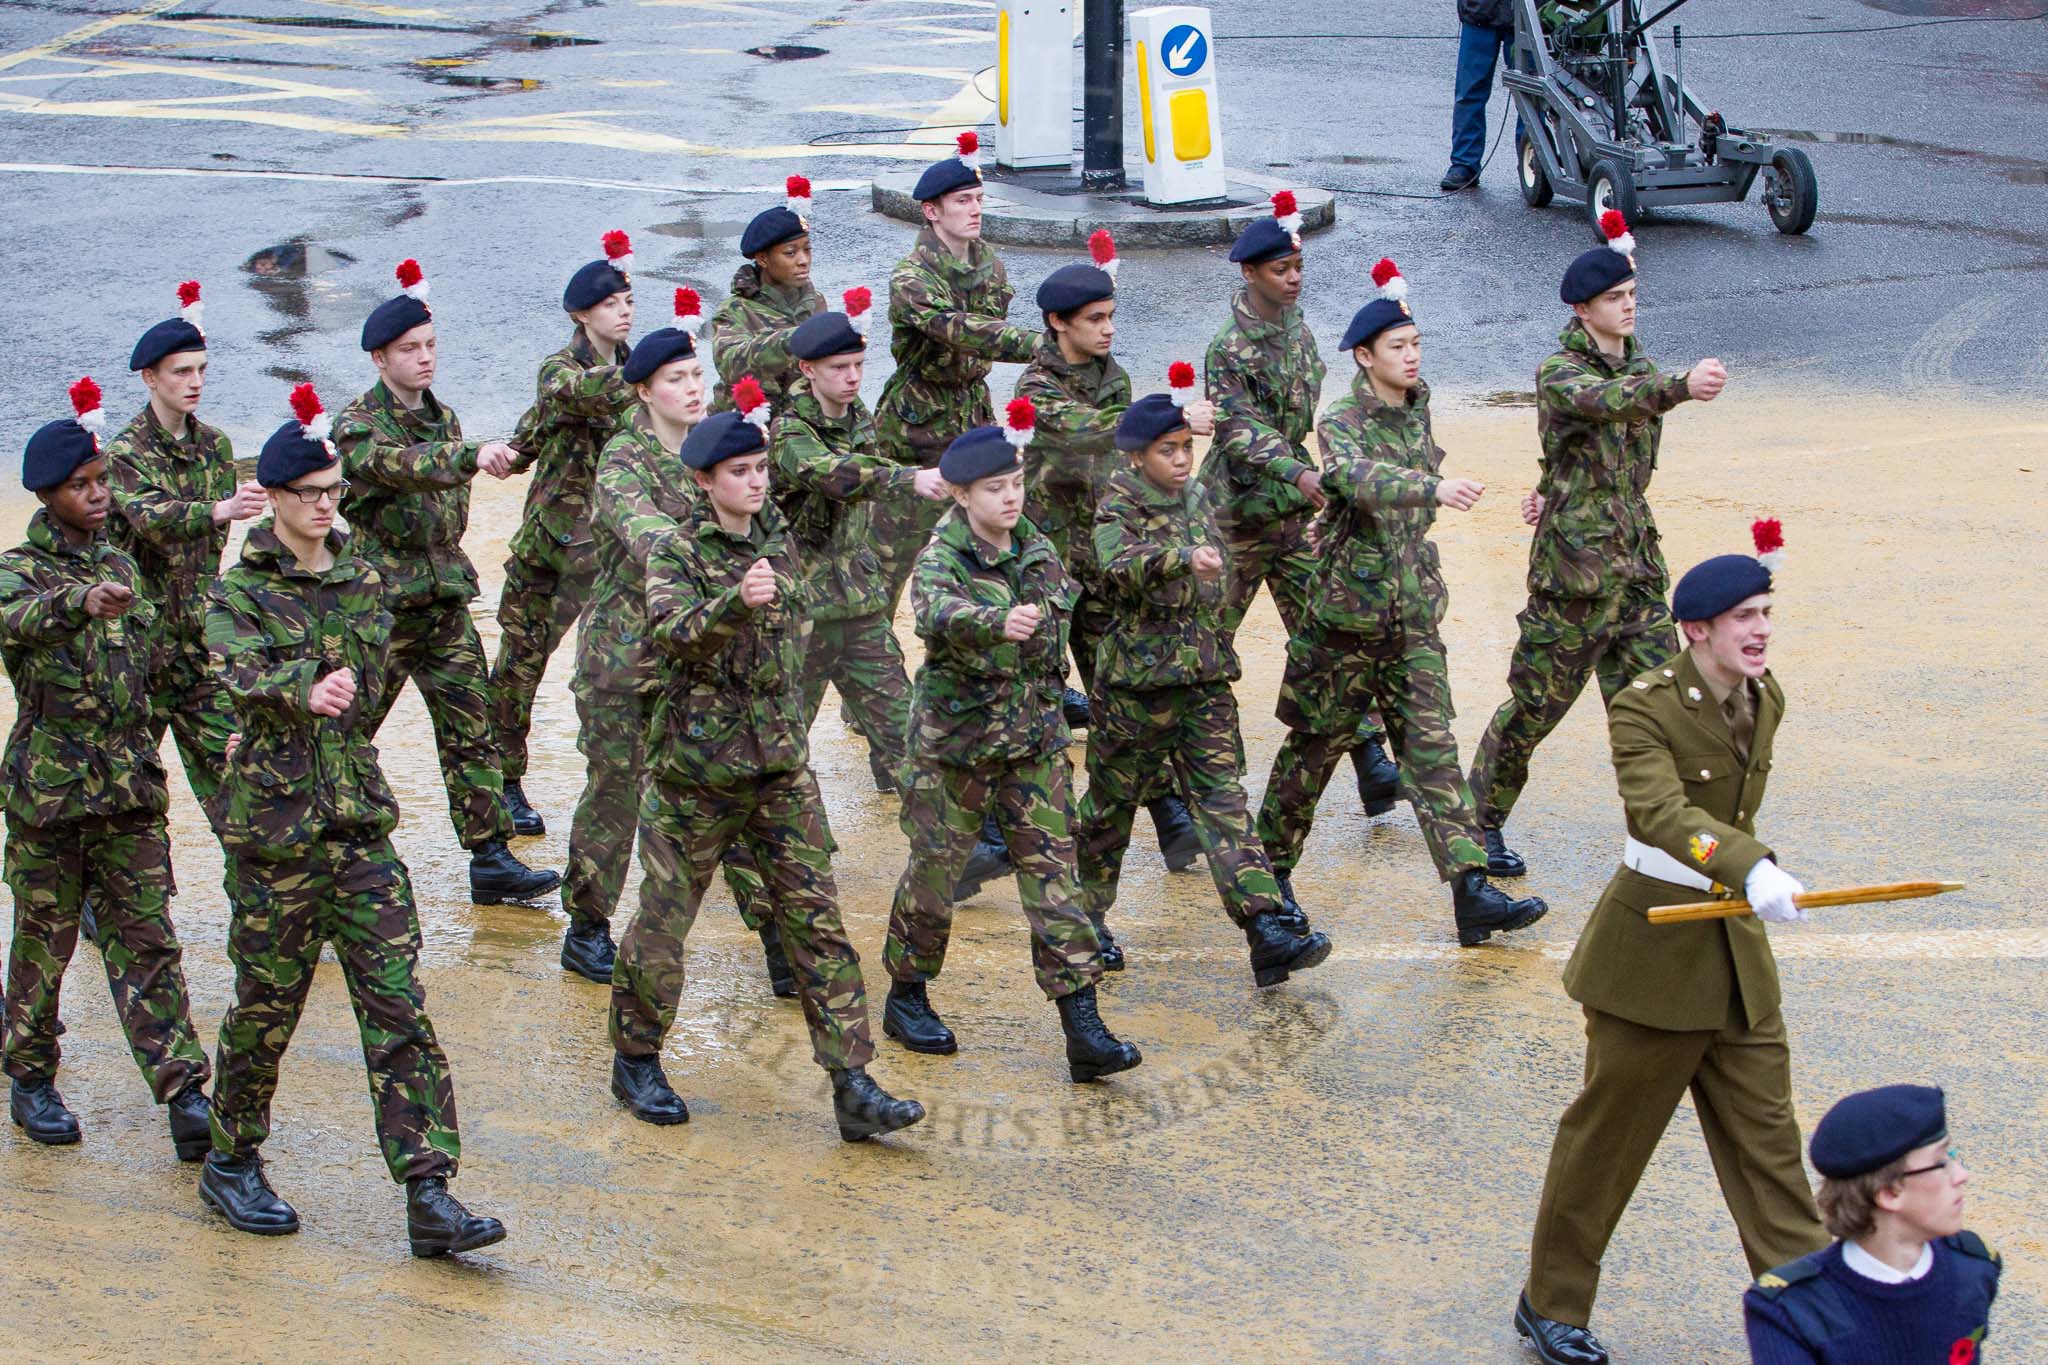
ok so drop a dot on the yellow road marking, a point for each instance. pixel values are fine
(106, 70)
(200, 31)
(205, 110)
(79, 35)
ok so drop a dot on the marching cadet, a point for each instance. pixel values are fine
(727, 761)
(302, 632)
(1264, 374)
(1596, 575)
(771, 296)
(580, 403)
(1162, 698)
(1368, 641)
(86, 792)
(1080, 392)
(643, 495)
(409, 471)
(992, 600)
(1904, 1280)
(1677, 1007)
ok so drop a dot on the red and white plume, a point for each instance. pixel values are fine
(618, 249)
(1020, 422)
(1288, 214)
(799, 191)
(1770, 542)
(689, 309)
(1180, 383)
(314, 423)
(1614, 228)
(858, 301)
(1388, 279)
(412, 281)
(1102, 250)
(85, 401)
(189, 306)
(969, 150)
(750, 401)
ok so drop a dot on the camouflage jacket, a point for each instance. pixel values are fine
(164, 492)
(728, 705)
(643, 494)
(1379, 573)
(275, 628)
(947, 330)
(749, 334)
(80, 744)
(979, 698)
(579, 404)
(1264, 378)
(1600, 420)
(1169, 624)
(1073, 454)
(410, 502)
(827, 474)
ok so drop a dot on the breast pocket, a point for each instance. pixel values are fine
(264, 805)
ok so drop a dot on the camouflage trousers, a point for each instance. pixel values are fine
(187, 700)
(1091, 621)
(357, 896)
(902, 524)
(900, 527)
(438, 648)
(1330, 687)
(1192, 733)
(1033, 802)
(1563, 642)
(860, 657)
(1277, 555)
(780, 818)
(123, 862)
(613, 740)
(543, 596)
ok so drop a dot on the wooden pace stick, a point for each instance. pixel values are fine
(1847, 895)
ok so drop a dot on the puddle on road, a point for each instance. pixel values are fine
(1957, 9)
(444, 71)
(699, 228)
(786, 52)
(2019, 170)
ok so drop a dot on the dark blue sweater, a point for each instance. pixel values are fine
(1817, 1311)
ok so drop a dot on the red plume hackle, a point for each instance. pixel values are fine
(750, 400)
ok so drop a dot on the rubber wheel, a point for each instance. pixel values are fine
(1609, 186)
(1536, 190)
(1791, 193)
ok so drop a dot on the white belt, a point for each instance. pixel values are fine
(1655, 862)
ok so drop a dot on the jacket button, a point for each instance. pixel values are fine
(1705, 773)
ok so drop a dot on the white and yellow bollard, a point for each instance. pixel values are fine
(1174, 50)
(1034, 84)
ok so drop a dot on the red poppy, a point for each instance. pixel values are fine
(1963, 1352)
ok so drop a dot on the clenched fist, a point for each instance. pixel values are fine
(757, 589)
(331, 695)
(1021, 624)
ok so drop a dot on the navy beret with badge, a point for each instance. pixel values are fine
(1598, 270)
(172, 336)
(1726, 581)
(60, 447)
(1157, 414)
(659, 347)
(957, 172)
(772, 227)
(1388, 311)
(823, 335)
(1871, 1129)
(728, 435)
(1074, 287)
(1270, 238)
(300, 446)
(597, 281)
(394, 317)
(982, 452)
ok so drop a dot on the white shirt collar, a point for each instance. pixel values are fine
(1870, 1268)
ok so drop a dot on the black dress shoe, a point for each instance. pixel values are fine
(1379, 777)
(990, 860)
(1558, 1343)
(191, 1130)
(1484, 910)
(1112, 951)
(243, 1197)
(1092, 1050)
(865, 1110)
(39, 1111)
(1290, 916)
(1458, 178)
(781, 980)
(1179, 842)
(1074, 707)
(640, 1084)
(588, 951)
(1278, 950)
(436, 1223)
(1501, 861)
(908, 1017)
(496, 877)
(526, 821)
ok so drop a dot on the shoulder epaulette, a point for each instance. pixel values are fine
(1970, 1244)
(1772, 1283)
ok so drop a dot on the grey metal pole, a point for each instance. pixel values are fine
(1102, 95)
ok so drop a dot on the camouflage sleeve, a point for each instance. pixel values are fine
(525, 439)
(681, 620)
(622, 504)
(46, 617)
(1570, 385)
(1131, 562)
(1658, 807)
(803, 461)
(248, 666)
(1242, 430)
(422, 467)
(591, 393)
(1072, 438)
(914, 303)
(149, 508)
(738, 351)
(1352, 472)
(942, 611)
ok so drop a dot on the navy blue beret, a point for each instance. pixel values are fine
(288, 456)
(1378, 316)
(655, 350)
(771, 228)
(392, 319)
(1074, 286)
(593, 284)
(977, 453)
(943, 177)
(825, 334)
(1265, 240)
(168, 337)
(1595, 272)
(1873, 1128)
(56, 450)
(1715, 585)
(1145, 421)
(721, 436)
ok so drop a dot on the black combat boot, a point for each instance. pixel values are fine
(1484, 910)
(1558, 1343)
(39, 1111)
(88, 922)
(908, 1017)
(640, 1085)
(191, 1132)
(588, 951)
(865, 1110)
(497, 878)
(885, 781)
(1290, 916)
(1174, 823)
(781, 979)
(436, 1223)
(1112, 951)
(1074, 706)
(1278, 950)
(990, 860)
(243, 1197)
(526, 821)
(1379, 777)
(1502, 861)
(1092, 1050)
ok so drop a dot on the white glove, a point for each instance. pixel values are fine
(1770, 890)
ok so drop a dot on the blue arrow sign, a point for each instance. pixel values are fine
(1185, 50)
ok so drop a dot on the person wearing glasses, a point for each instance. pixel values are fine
(1904, 1280)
